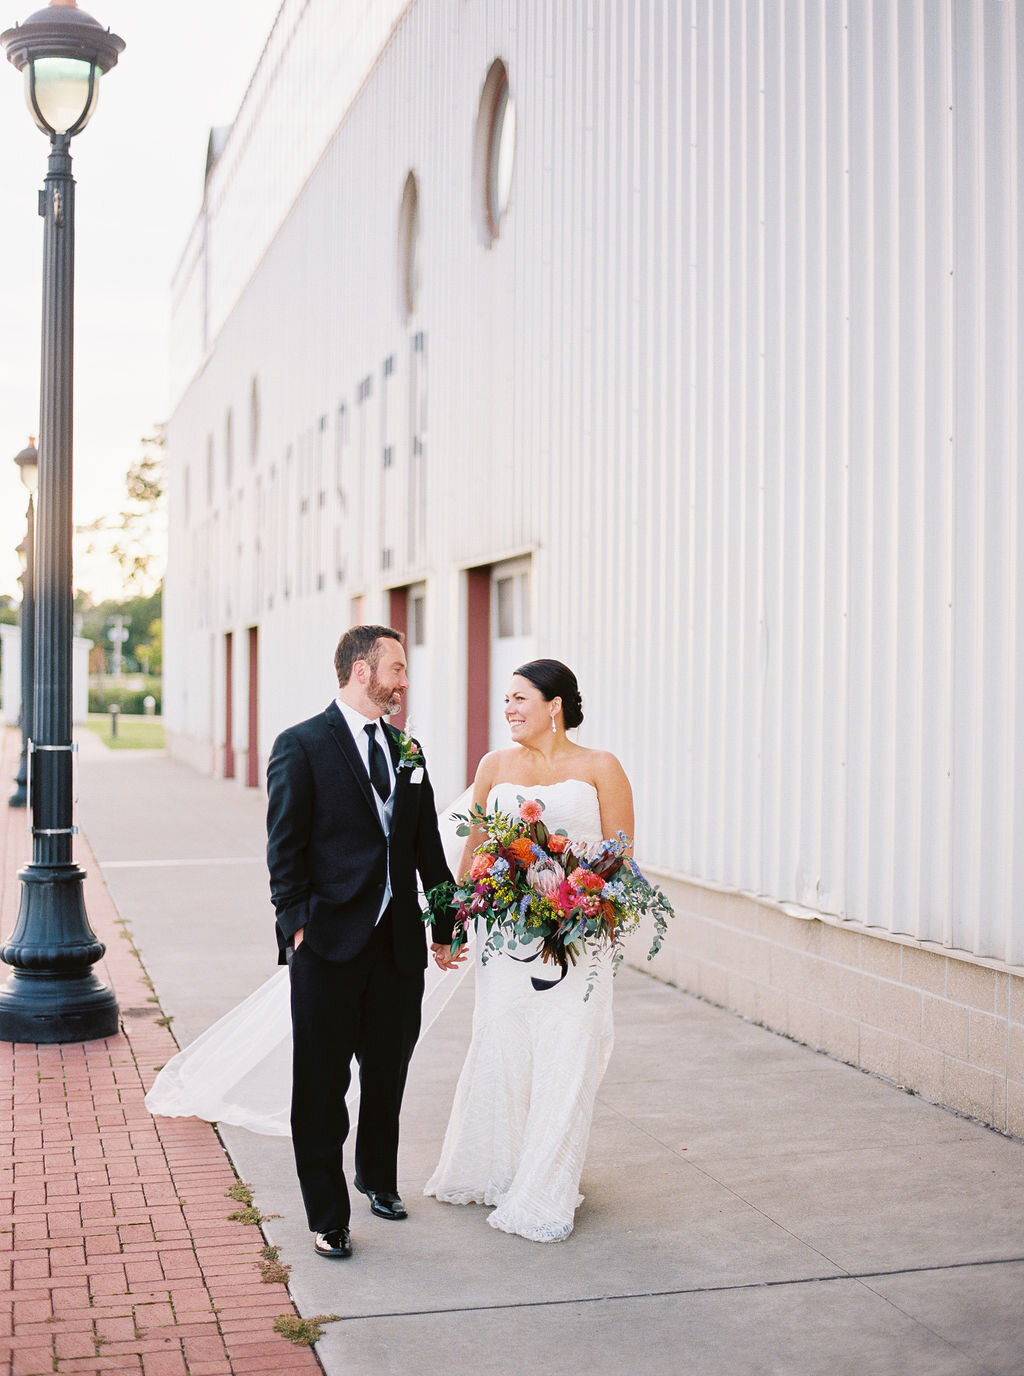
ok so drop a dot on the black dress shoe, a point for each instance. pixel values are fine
(334, 1243)
(384, 1203)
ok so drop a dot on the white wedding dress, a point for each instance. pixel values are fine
(239, 1071)
(520, 1123)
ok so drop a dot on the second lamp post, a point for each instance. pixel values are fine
(28, 464)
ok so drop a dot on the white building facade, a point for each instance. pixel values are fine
(680, 340)
(10, 676)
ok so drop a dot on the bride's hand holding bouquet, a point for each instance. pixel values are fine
(527, 884)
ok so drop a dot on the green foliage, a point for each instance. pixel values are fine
(131, 701)
(141, 619)
(132, 535)
(150, 654)
(133, 733)
(8, 610)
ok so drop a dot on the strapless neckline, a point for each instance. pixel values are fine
(572, 806)
(558, 783)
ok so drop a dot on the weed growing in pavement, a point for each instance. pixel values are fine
(250, 1213)
(272, 1269)
(303, 1331)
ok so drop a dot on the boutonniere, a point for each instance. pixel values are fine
(410, 756)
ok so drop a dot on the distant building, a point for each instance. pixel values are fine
(682, 342)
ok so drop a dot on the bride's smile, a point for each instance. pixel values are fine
(528, 713)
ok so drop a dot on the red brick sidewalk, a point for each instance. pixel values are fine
(115, 1241)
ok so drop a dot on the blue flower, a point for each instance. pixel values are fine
(499, 867)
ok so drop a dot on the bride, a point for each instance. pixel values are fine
(520, 1123)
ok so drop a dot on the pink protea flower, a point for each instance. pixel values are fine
(530, 811)
(545, 877)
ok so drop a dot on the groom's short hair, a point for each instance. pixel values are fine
(362, 642)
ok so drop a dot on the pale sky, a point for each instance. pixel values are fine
(139, 173)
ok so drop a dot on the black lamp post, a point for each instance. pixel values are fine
(53, 994)
(28, 464)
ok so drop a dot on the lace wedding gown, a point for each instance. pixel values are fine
(520, 1122)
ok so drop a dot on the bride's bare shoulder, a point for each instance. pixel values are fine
(613, 792)
(493, 768)
(601, 766)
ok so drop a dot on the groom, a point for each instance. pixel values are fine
(350, 821)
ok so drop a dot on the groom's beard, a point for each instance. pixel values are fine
(388, 702)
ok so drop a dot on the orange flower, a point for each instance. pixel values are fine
(556, 844)
(586, 879)
(522, 849)
(481, 866)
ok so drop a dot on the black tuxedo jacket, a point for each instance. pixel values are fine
(327, 852)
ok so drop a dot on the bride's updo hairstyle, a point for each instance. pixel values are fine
(553, 679)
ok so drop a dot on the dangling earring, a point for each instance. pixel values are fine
(554, 728)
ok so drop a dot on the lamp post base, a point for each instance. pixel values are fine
(46, 1008)
(52, 995)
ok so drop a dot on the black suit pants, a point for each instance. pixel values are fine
(368, 1008)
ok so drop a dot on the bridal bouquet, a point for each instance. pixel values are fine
(527, 883)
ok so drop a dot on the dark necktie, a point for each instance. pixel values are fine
(379, 776)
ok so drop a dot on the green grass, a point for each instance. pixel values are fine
(133, 733)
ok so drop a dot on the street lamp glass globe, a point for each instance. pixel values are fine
(61, 92)
(28, 465)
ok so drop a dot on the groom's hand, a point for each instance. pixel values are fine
(297, 939)
(442, 953)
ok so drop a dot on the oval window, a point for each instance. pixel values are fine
(495, 148)
(408, 248)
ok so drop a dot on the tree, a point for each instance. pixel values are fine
(136, 532)
(8, 610)
(151, 654)
(140, 617)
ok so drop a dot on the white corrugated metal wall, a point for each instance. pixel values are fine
(742, 370)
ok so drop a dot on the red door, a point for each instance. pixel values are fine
(252, 762)
(398, 612)
(229, 723)
(478, 666)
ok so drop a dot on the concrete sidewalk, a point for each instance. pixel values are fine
(752, 1208)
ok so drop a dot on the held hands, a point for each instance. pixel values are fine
(442, 953)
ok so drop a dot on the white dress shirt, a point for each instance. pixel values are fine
(357, 724)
